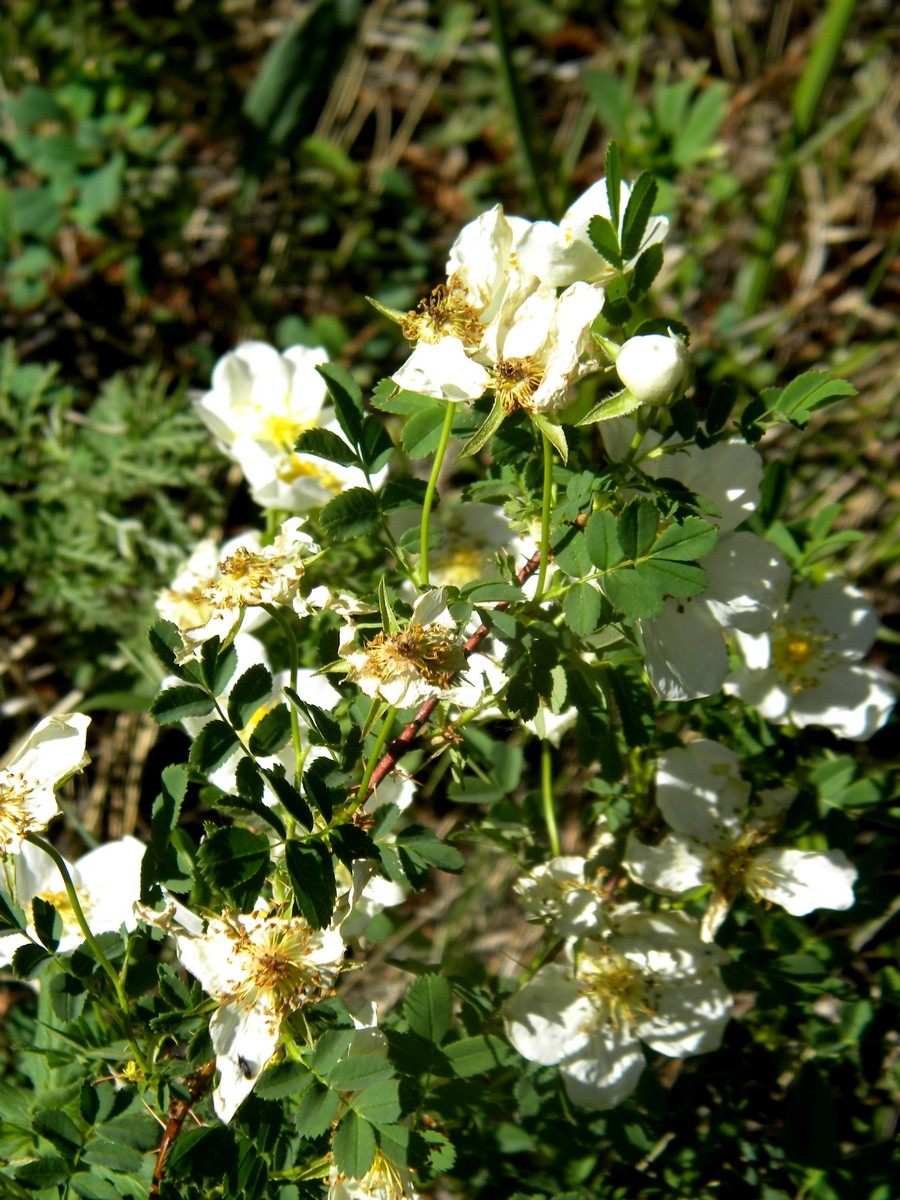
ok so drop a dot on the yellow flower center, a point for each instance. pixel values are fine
(295, 466)
(276, 968)
(63, 905)
(618, 988)
(282, 429)
(800, 654)
(732, 864)
(445, 313)
(246, 576)
(516, 380)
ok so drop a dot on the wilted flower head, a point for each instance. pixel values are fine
(53, 751)
(717, 840)
(806, 669)
(261, 967)
(411, 666)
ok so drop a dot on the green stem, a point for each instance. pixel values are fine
(446, 430)
(101, 958)
(546, 505)
(526, 138)
(547, 798)
(375, 755)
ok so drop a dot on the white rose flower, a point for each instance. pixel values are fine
(717, 842)
(107, 881)
(261, 967)
(250, 576)
(654, 368)
(52, 752)
(806, 670)
(685, 652)
(650, 980)
(558, 892)
(563, 254)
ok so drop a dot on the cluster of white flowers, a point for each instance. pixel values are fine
(499, 323)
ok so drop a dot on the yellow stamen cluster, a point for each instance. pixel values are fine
(188, 608)
(799, 654)
(515, 381)
(281, 429)
(277, 971)
(732, 865)
(15, 820)
(294, 466)
(429, 649)
(247, 578)
(619, 990)
(63, 905)
(445, 313)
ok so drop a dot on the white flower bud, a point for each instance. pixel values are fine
(655, 369)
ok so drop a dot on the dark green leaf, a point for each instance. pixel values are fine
(261, 812)
(288, 796)
(693, 539)
(47, 922)
(11, 916)
(379, 1103)
(213, 746)
(635, 705)
(721, 405)
(421, 841)
(58, 1128)
(571, 555)
(428, 1007)
(167, 806)
(67, 995)
(323, 443)
(807, 394)
(581, 608)
(176, 703)
(165, 640)
(422, 432)
(347, 397)
(475, 1055)
(354, 513)
(602, 541)
(284, 1079)
(485, 431)
(646, 270)
(636, 527)
(353, 1146)
(605, 240)
(359, 1071)
(311, 873)
(46, 1172)
(376, 446)
(249, 781)
(349, 843)
(250, 691)
(637, 214)
(326, 785)
(235, 859)
(209, 659)
(490, 591)
(317, 1109)
(271, 733)
(399, 494)
(613, 181)
(672, 578)
(113, 1157)
(28, 961)
(632, 594)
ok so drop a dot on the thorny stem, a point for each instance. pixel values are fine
(546, 504)
(101, 958)
(178, 1110)
(430, 490)
(547, 798)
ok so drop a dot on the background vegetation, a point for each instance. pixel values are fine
(175, 178)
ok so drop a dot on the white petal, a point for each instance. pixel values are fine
(728, 473)
(762, 691)
(851, 700)
(685, 655)
(606, 1071)
(748, 582)
(804, 880)
(549, 1018)
(840, 611)
(244, 1040)
(112, 876)
(442, 370)
(678, 864)
(53, 751)
(700, 791)
(690, 1017)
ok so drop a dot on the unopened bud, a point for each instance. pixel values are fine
(656, 369)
